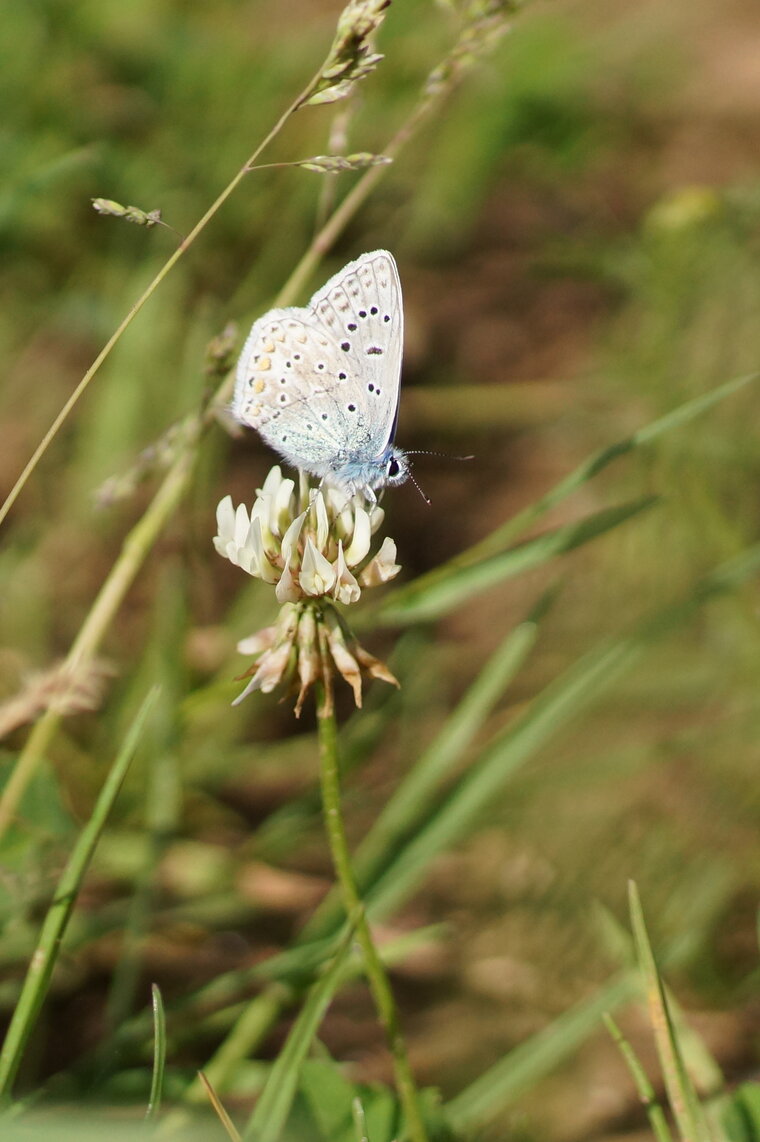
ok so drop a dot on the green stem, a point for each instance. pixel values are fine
(376, 975)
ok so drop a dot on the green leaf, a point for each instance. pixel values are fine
(741, 1115)
(331, 1100)
(329, 1097)
(341, 1111)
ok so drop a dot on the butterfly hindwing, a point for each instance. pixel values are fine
(282, 382)
(321, 383)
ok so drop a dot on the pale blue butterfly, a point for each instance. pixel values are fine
(321, 384)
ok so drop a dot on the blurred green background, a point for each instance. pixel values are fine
(578, 235)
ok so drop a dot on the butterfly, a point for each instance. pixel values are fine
(320, 384)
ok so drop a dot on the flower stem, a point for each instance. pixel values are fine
(376, 975)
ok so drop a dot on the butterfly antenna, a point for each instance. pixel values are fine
(425, 452)
(419, 489)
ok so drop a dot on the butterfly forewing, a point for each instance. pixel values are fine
(361, 308)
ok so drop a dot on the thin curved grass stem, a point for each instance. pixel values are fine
(375, 971)
(148, 293)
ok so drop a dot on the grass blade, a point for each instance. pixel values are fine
(360, 1120)
(272, 1109)
(159, 1054)
(426, 600)
(683, 1099)
(219, 1110)
(645, 1090)
(43, 961)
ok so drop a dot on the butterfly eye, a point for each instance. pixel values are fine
(393, 467)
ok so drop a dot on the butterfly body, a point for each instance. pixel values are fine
(321, 383)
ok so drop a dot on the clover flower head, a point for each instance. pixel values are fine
(307, 543)
(314, 547)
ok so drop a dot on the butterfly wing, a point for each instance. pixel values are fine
(361, 308)
(283, 389)
(321, 384)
